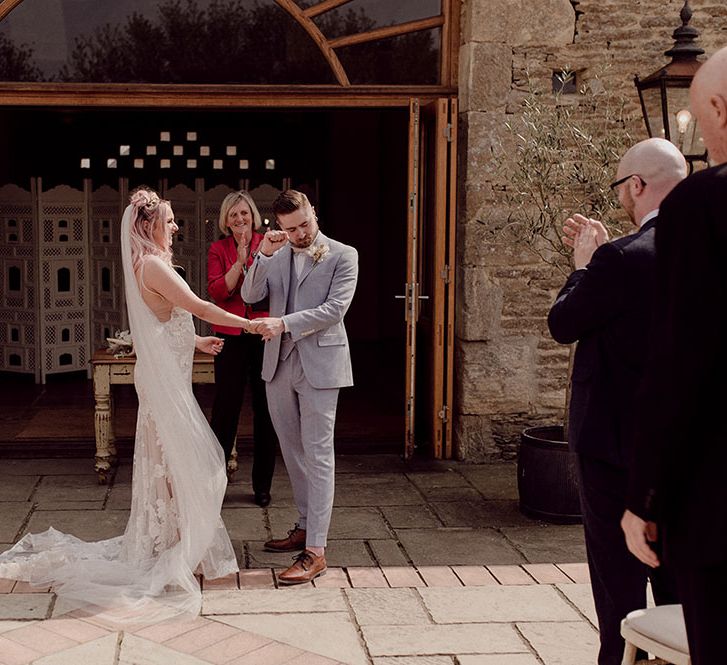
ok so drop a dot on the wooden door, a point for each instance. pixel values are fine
(429, 292)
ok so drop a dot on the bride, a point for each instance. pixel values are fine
(179, 479)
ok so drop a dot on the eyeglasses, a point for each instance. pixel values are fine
(621, 181)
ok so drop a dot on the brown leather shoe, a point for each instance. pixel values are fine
(307, 567)
(294, 541)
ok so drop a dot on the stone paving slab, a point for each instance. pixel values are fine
(17, 488)
(25, 606)
(244, 523)
(497, 603)
(448, 478)
(262, 601)
(70, 488)
(136, 651)
(500, 659)
(361, 464)
(416, 516)
(573, 643)
(99, 652)
(259, 558)
(119, 498)
(478, 512)
(84, 524)
(414, 660)
(48, 467)
(374, 607)
(435, 547)
(493, 481)
(355, 493)
(281, 520)
(388, 553)
(100, 504)
(454, 493)
(342, 553)
(582, 597)
(442, 639)
(12, 516)
(335, 638)
(358, 523)
(547, 543)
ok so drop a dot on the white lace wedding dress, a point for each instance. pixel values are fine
(178, 485)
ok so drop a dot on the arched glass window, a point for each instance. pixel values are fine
(65, 335)
(269, 42)
(65, 359)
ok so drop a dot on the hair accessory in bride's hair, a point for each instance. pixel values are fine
(145, 201)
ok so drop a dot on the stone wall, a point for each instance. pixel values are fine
(508, 372)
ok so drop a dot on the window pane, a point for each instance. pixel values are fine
(158, 41)
(406, 59)
(363, 15)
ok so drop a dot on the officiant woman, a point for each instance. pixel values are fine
(240, 361)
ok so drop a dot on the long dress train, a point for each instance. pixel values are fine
(178, 485)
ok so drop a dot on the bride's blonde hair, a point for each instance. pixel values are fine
(148, 212)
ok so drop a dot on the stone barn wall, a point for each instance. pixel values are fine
(508, 372)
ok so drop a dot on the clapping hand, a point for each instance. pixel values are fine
(243, 247)
(574, 224)
(272, 241)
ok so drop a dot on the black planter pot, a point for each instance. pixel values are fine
(546, 477)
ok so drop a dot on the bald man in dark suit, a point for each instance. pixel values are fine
(605, 306)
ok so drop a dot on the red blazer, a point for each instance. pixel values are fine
(222, 255)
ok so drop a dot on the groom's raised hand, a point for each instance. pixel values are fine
(272, 242)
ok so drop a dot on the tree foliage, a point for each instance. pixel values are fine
(566, 155)
(16, 62)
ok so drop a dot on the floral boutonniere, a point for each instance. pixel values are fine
(319, 252)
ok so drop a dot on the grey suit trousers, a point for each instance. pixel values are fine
(304, 418)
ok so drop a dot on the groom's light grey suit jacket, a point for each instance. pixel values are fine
(324, 292)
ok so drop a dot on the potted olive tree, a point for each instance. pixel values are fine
(565, 151)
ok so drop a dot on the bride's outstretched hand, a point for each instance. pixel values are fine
(211, 345)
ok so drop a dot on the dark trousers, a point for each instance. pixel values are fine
(703, 591)
(241, 362)
(618, 579)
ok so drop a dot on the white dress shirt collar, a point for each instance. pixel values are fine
(648, 216)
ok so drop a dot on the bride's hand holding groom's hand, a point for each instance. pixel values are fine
(267, 327)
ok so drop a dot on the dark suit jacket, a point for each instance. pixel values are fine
(679, 474)
(606, 308)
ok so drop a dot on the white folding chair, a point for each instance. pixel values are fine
(658, 630)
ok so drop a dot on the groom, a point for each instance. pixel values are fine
(310, 280)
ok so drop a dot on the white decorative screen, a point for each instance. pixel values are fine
(107, 284)
(64, 280)
(18, 288)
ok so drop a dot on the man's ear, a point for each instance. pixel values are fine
(718, 104)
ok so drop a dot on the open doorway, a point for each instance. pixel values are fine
(352, 162)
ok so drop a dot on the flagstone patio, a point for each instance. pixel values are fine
(430, 564)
